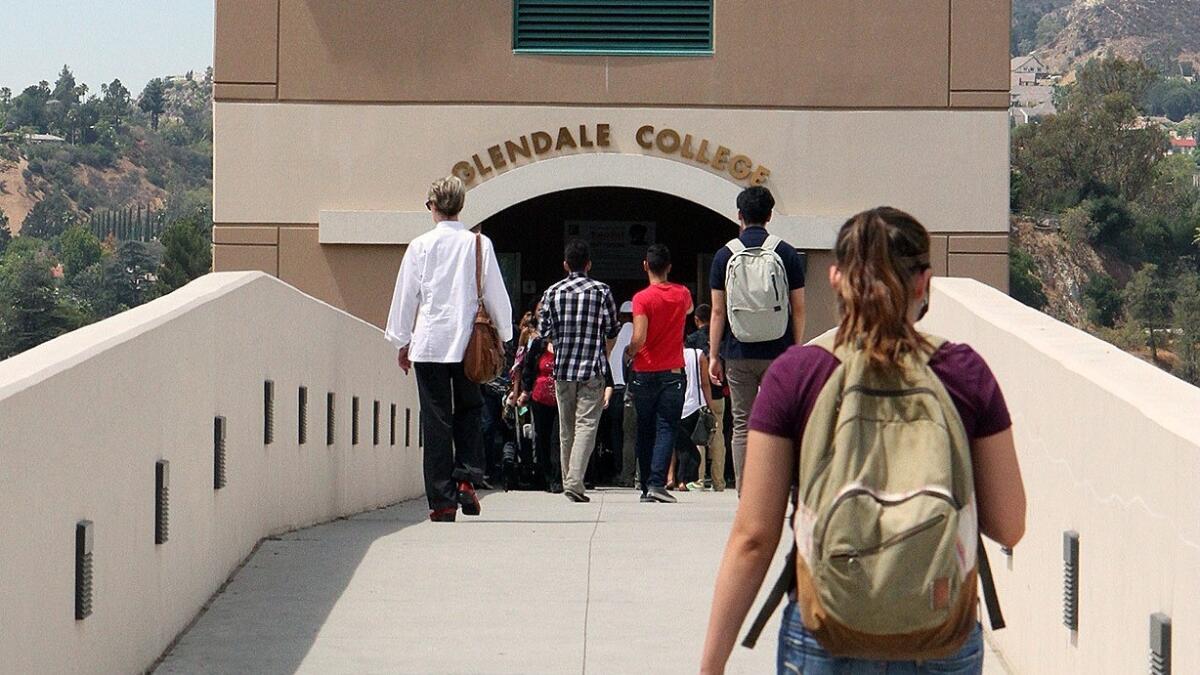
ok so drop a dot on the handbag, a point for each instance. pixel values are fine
(706, 423)
(484, 358)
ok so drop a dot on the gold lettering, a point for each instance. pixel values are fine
(643, 137)
(760, 175)
(702, 153)
(721, 159)
(565, 138)
(740, 167)
(602, 139)
(667, 140)
(686, 150)
(542, 142)
(497, 157)
(583, 139)
(464, 171)
(483, 170)
(514, 149)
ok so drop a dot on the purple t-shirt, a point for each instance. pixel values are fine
(791, 386)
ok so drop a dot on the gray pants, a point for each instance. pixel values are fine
(579, 407)
(744, 377)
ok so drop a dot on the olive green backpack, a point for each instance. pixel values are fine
(887, 544)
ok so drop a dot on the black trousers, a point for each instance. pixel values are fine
(451, 412)
(546, 444)
(687, 466)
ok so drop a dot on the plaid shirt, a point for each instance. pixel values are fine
(578, 315)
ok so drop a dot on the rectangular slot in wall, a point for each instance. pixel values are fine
(302, 417)
(375, 423)
(84, 543)
(330, 421)
(268, 412)
(1160, 644)
(408, 427)
(162, 501)
(1071, 580)
(392, 432)
(218, 452)
(354, 420)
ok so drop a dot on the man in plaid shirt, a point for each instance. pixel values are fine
(579, 317)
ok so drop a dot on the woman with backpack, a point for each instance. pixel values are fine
(899, 449)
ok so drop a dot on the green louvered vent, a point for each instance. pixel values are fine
(613, 26)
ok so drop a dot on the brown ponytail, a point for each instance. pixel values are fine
(879, 254)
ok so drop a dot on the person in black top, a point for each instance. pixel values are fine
(698, 339)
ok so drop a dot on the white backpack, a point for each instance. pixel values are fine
(756, 291)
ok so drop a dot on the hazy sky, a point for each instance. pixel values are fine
(134, 40)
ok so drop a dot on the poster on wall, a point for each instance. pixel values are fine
(618, 246)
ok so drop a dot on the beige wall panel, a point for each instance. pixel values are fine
(358, 279)
(285, 163)
(795, 53)
(938, 250)
(979, 99)
(979, 44)
(245, 234)
(990, 268)
(246, 40)
(225, 91)
(820, 305)
(235, 258)
(979, 244)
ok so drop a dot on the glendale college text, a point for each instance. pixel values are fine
(533, 146)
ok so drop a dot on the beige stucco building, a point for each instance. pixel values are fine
(332, 118)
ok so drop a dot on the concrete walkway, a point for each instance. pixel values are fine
(534, 585)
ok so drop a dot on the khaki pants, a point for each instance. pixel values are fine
(716, 448)
(744, 377)
(579, 408)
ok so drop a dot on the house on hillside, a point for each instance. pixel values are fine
(1182, 146)
(44, 138)
(1027, 71)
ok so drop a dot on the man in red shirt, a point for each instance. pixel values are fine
(658, 381)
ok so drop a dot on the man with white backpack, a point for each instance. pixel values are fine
(757, 283)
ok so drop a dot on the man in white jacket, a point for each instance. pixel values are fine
(432, 314)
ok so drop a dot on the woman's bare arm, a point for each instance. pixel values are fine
(999, 491)
(767, 482)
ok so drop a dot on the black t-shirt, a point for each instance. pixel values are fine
(793, 261)
(698, 339)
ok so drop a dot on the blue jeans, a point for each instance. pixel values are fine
(799, 652)
(658, 399)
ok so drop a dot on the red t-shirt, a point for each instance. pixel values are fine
(665, 307)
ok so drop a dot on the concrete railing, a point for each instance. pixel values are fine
(85, 418)
(1109, 449)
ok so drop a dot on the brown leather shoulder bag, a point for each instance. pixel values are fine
(484, 359)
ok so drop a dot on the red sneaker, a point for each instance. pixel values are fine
(467, 498)
(444, 515)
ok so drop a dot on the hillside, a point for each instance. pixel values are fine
(1067, 32)
(116, 152)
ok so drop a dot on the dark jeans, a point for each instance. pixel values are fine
(687, 462)
(451, 407)
(546, 444)
(494, 432)
(658, 399)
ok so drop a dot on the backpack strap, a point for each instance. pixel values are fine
(735, 245)
(990, 599)
(783, 585)
(771, 242)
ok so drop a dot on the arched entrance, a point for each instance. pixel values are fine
(619, 223)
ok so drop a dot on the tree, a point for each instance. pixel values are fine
(49, 217)
(1024, 284)
(65, 89)
(32, 310)
(28, 109)
(115, 99)
(1148, 302)
(1186, 312)
(187, 254)
(5, 233)
(1103, 300)
(152, 100)
(80, 249)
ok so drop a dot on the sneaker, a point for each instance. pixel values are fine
(696, 485)
(444, 515)
(646, 499)
(660, 494)
(556, 488)
(576, 497)
(467, 498)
